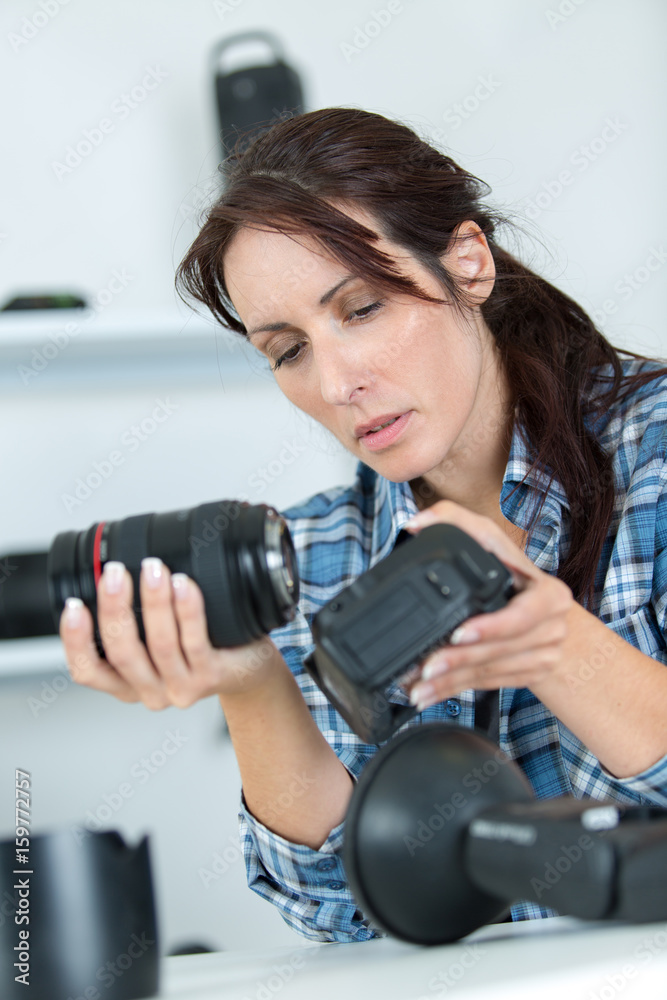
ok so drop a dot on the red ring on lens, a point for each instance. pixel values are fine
(97, 562)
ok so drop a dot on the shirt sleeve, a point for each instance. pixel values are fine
(650, 786)
(634, 606)
(590, 780)
(309, 887)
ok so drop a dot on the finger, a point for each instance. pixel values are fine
(160, 624)
(213, 670)
(520, 670)
(178, 640)
(450, 659)
(207, 666)
(120, 636)
(85, 665)
(192, 625)
(548, 599)
(484, 531)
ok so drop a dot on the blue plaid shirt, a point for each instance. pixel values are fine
(343, 532)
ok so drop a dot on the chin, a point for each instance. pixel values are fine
(400, 472)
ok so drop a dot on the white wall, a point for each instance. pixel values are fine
(555, 80)
(522, 92)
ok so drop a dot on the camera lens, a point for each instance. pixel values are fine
(241, 556)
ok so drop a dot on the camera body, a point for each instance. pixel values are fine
(372, 633)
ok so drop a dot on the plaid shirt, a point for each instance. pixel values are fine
(343, 532)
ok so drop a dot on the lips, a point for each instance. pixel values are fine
(373, 426)
(383, 431)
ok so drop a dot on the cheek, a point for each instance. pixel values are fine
(302, 390)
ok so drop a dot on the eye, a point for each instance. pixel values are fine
(365, 311)
(287, 357)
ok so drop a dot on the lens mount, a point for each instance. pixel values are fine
(280, 563)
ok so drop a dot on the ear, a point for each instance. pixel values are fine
(471, 263)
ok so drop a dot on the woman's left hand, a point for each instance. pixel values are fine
(517, 646)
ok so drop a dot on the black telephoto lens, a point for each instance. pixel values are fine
(241, 556)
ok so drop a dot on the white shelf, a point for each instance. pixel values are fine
(63, 346)
(25, 657)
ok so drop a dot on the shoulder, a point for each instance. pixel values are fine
(332, 531)
(634, 426)
(321, 512)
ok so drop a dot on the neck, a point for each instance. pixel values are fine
(472, 472)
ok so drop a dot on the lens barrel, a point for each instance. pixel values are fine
(241, 556)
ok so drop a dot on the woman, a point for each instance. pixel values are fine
(362, 264)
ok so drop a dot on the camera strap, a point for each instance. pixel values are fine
(487, 713)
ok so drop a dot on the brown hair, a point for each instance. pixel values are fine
(552, 353)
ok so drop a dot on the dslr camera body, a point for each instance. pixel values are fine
(376, 630)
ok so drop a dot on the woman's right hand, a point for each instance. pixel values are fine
(177, 665)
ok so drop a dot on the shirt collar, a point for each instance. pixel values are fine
(389, 506)
(524, 486)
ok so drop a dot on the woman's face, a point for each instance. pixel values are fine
(402, 383)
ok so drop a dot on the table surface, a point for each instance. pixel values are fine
(556, 959)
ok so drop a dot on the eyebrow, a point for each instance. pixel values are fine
(326, 298)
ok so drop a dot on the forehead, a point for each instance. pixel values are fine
(269, 275)
(264, 268)
(258, 255)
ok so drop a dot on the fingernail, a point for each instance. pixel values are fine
(113, 576)
(462, 635)
(152, 571)
(420, 694)
(179, 582)
(434, 669)
(420, 520)
(73, 612)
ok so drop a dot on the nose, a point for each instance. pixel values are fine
(343, 372)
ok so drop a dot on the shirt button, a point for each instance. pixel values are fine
(453, 707)
(336, 885)
(326, 864)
